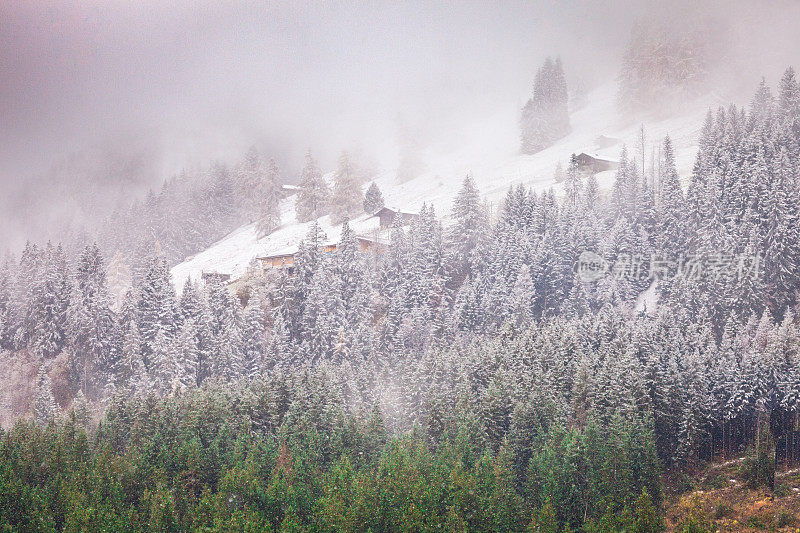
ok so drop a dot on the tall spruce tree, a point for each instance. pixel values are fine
(373, 199)
(91, 321)
(157, 306)
(347, 199)
(45, 408)
(269, 194)
(313, 195)
(671, 208)
(469, 229)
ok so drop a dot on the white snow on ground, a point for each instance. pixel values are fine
(234, 253)
(494, 171)
(647, 301)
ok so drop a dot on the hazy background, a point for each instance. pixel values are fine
(114, 97)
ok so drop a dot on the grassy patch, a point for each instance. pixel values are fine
(755, 522)
(785, 518)
(723, 511)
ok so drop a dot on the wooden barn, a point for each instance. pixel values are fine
(367, 244)
(280, 261)
(386, 216)
(593, 164)
(285, 261)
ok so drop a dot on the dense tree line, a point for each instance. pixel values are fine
(282, 454)
(484, 331)
(342, 199)
(662, 66)
(192, 211)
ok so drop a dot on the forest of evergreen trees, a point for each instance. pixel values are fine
(469, 378)
(663, 66)
(192, 211)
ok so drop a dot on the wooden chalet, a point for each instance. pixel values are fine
(285, 260)
(276, 262)
(593, 164)
(386, 216)
(374, 245)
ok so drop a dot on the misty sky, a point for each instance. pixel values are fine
(208, 80)
(188, 82)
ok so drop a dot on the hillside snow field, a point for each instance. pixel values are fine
(493, 174)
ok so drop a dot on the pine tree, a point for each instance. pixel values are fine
(164, 365)
(6, 302)
(51, 293)
(572, 183)
(225, 333)
(91, 322)
(347, 199)
(558, 174)
(659, 65)
(313, 195)
(253, 337)
(520, 301)
(789, 95)
(191, 305)
(373, 199)
(789, 109)
(45, 409)
(249, 177)
(544, 520)
(187, 355)
(762, 106)
(80, 411)
(349, 268)
(782, 232)
(425, 261)
(469, 229)
(157, 307)
(279, 349)
(23, 310)
(671, 208)
(131, 351)
(467, 309)
(323, 316)
(269, 194)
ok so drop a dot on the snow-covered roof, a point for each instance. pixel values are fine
(394, 211)
(598, 157)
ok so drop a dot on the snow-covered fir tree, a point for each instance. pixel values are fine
(470, 227)
(373, 199)
(476, 316)
(269, 194)
(313, 194)
(254, 339)
(45, 408)
(346, 198)
(90, 319)
(157, 306)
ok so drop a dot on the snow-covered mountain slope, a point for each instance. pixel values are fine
(234, 253)
(493, 171)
